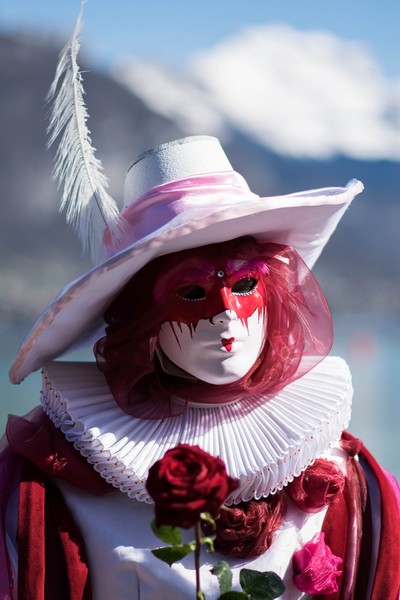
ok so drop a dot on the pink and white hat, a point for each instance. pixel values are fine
(180, 195)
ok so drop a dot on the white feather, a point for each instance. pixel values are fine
(88, 205)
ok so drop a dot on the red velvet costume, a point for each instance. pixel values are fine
(51, 549)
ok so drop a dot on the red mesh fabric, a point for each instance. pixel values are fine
(299, 334)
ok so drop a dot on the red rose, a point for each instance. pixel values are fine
(248, 529)
(186, 482)
(319, 485)
(315, 567)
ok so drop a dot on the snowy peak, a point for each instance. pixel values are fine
(174, 95)
(300, 94)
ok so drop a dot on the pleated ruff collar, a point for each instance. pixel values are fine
(264, 443)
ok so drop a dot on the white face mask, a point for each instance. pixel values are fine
(219, 350)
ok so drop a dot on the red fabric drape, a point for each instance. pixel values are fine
(340, 518)
(31, 527)
(387, 576)
(52, 560)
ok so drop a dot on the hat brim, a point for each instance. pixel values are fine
(304, 221)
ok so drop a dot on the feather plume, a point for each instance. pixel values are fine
(89, 207)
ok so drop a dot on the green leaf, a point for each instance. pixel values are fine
(171, 554)
(209, 541)
(167, 534)
(205, 516)
(224, 574)
(261, 586)
(234, 596)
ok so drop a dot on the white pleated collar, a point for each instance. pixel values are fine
(264, 444)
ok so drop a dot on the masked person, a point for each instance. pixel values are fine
(209, 329)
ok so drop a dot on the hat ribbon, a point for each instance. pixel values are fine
(186, 199)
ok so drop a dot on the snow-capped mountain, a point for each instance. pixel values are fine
(287, 124)
(299, 94)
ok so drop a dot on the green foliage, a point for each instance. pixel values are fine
(166, 533)
(261, 586)
(234, 596)
(255, 585)
(171, 554)
(223, 572)
(205, 516)
(209, 541)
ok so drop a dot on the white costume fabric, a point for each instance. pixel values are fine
(264, 449)
(119, 540)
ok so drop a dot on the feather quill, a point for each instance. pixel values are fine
(89, 207)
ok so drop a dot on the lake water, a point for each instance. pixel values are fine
(369, 343)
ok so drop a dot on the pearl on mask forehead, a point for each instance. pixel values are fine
(220, 273)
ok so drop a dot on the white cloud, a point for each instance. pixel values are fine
(303, 94)
(172, 95)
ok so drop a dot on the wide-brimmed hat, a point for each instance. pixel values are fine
(180, 195)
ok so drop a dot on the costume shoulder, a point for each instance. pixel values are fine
(35, 438)
(380, 552)
(384, 508)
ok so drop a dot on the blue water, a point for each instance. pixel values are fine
(369, 343)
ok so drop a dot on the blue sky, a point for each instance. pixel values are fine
(171, 30)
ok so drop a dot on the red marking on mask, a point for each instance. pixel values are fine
(218, 298)
(207, 282)
(227, 343)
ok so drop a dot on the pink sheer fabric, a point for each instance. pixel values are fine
(299, 334)
(191, 198)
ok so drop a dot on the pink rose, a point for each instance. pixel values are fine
(315, 568)
(319, 485)
(248, 529)
(186, 482)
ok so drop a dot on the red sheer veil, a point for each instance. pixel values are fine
(299, 335)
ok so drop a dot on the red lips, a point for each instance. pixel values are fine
(227, 343)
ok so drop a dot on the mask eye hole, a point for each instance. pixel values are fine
(191, 292)
(244, 286)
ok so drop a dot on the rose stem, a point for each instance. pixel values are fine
(197, 557)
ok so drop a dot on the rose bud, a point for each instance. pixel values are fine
(317, 487)
(248, 529)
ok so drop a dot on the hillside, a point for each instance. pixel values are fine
(360, 269)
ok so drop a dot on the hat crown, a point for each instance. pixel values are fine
(173, 161)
